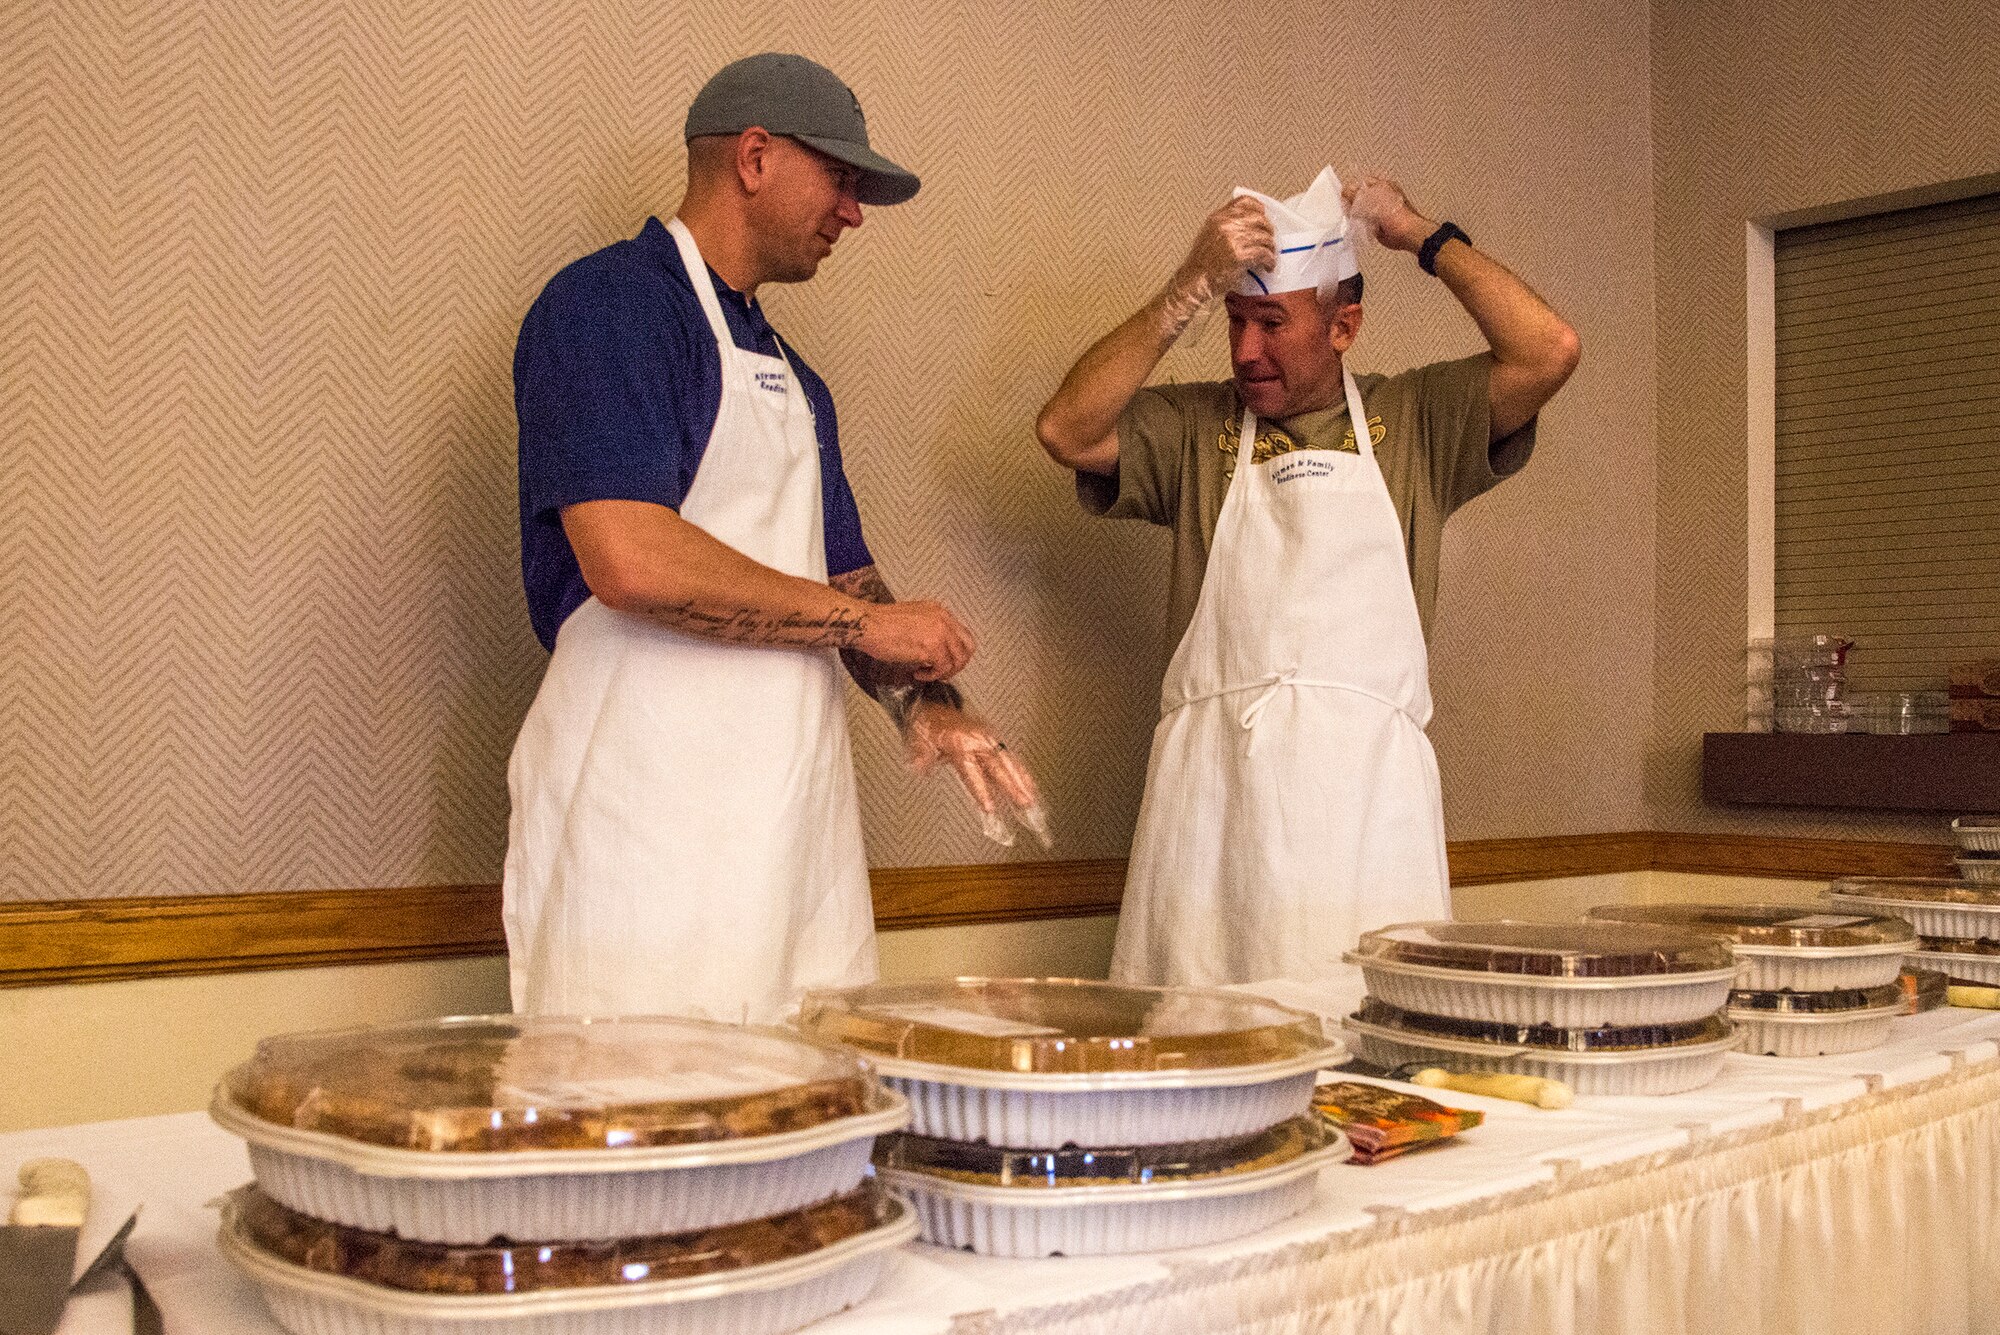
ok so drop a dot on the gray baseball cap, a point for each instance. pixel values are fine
(802, 100)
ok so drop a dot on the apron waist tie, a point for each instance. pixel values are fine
(1273, 682)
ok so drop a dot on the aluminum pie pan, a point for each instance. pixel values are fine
(1931, 917)
(757, 1300)
(1776, 1034)
(1111, 1220)
(1333, 1053)
(1033, 1120)
(560, 1195)
(1567, 1003)
(1670, 1070)
(1979, 870)
(1983, 970)
(1980, 834)
(1827, 969)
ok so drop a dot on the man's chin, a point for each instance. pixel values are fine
(1266, 398)
(799, 272)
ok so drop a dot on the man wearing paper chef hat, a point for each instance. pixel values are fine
(1292, 798)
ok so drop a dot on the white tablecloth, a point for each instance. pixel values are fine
(1837, 1194)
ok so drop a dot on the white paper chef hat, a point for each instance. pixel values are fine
(1314, 245)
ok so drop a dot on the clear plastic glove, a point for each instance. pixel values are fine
(995, 779)
(1386, 214)
(1235, 237)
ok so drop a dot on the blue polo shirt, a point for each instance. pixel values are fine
(616, 387)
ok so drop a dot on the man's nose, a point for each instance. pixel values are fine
(1247, 345)
(849, 211)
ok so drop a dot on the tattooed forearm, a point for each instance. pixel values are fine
(896, 689)
(746, 625)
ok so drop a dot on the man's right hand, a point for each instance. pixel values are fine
(921, 636)
(1235, 237)
(1078, 426)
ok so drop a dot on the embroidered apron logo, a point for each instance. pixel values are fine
(1274, 441)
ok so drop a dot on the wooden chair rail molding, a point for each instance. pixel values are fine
(86, 940)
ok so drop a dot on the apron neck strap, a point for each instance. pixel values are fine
(704, 289)
(711, 306)
(1357, 417)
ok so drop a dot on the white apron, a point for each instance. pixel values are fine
(684, 836)
(1292, 799)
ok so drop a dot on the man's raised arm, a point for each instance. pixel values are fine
(1534, 349)
(1079, 425)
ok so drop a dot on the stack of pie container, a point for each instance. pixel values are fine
(1957, 922)
(1808, 983)
(1062, 1117)
(1978, 839)
(538, 1176)
(1607, 1008)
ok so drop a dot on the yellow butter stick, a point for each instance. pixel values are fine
(1531, 1089)
(1978, 998)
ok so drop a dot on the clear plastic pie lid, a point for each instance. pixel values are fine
(1546, 950)
(1140, 1165)
(1916, 890)
(1060, 1026)
(510, 1084)
(1818, 1003)
(506, 1266)
(1780, 925)
(1959, 945)
(1619, 1038)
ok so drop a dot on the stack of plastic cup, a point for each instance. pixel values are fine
(1809, 683)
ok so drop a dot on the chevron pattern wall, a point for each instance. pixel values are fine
(263, 261)
(1761, 110)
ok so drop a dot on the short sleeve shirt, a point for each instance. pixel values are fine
(1178, 446)
(617, 383)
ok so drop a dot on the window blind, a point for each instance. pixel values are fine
(1888, 438)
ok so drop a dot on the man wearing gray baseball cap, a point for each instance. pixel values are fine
(684, 836)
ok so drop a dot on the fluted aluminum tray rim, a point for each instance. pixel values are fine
(891, 1112)
(1337, 1150)
(1978, 833)
(266, 1268)
(1058, 1082)
(1560, 1056)
(1476, 977)
(1828, 952)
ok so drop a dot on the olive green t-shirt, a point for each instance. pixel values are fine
(1177, 447)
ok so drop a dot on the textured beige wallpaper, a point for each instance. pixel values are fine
(1760, 110)
(262, 266)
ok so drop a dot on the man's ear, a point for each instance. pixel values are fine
(1344, 327)
(753, 159)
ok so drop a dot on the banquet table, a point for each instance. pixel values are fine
(1835, 1194)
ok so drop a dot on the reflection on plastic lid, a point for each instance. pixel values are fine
(1766, 924)
(1818, 1003)
(1547, 950)
(1916, 890)
(1061, 1025)
(503, 1083)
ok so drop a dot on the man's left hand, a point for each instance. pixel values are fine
(994, 777)
(1381, 203)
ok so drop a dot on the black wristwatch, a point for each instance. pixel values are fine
(1427, 254)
